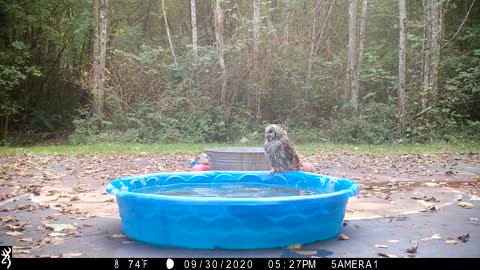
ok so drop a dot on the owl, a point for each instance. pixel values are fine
(279, 150)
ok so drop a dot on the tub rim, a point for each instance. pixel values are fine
(114, 188)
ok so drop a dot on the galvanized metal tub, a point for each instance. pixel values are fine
(237, 159)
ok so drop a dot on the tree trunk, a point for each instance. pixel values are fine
(361, 42)
(99, 56)
(220, 55)
(320, 35)
(311, 54)
(426, 52)
(436, 43)
(286, 17)
(167, 29)
(432, 44)
(318, 39)
(193, 13)
(254, 93)
(352, 55)
(5, 129)
(401, 66)
(256, 31)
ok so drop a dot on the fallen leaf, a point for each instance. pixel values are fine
(118, 235)
(59, 227)
(44, 205)
(387, 255)
(343, 237)
(449, 173)
(430, 208)
(465, 205)
(451, 242)
(14, 233)
(473, 219)
(393, 241)
(381, 246)
(431, 184)
(433, 237)
(28, 207)
(6, 219)
(87, 225)
(55, 234)
(424, 203)
(128, 242)
(73, 233)
(22, 251)
(464, 237)
(306, 252)
(20, 247)
(75, 198)
(69, 255)
(21, 239)
(80, 218)
(474, 198)
(48, 240)
(6, 209)
(413, 248)
(295, 247)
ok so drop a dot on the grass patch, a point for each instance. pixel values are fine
(107, 148)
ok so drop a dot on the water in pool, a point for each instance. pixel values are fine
(228, 190)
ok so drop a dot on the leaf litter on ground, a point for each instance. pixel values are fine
(464, 237)
(465, 205)
(413, 248)
(59, 227)
(386, 255)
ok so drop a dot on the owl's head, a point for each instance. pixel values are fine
(274, 132)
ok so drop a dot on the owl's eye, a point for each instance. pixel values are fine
(270, 131)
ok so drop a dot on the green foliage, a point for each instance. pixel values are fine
(45, 57)
(375, 123)
(196, 125)
(14, 69)
(443, 124)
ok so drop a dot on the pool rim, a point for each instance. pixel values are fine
(351, 191)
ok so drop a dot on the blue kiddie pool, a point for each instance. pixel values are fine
(232, 209)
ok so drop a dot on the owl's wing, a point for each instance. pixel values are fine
(291, 154)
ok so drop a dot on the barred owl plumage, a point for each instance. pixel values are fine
(279, 150)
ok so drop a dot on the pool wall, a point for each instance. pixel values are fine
(232, 223)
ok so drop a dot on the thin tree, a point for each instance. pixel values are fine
(256, 28)
(401, 66)
(318, 38)
(167, 29)
(312, 44)
(361, 42)
(193, 16)
(352, 55)
(433, 14)
(286, 18)
(254, 95)
(320, 35)
(218, 22)
(437, 15)
(99, 56)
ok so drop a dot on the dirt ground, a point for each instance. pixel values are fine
(69, 189)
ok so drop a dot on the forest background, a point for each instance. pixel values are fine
(164, 71)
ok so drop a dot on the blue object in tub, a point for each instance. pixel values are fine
(232, 223)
